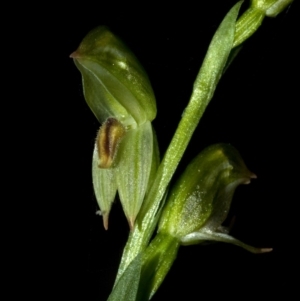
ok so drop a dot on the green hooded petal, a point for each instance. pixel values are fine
(115, 84)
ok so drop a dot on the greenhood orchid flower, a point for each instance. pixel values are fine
(120, 95)
(200, 201)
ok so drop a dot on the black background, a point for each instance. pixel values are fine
(254, 109)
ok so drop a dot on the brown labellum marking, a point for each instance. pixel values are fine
(108, 139)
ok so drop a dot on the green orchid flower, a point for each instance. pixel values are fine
(120, 95)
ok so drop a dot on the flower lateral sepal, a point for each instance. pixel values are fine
(134, 168)
(105, 187)
(205, 235)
